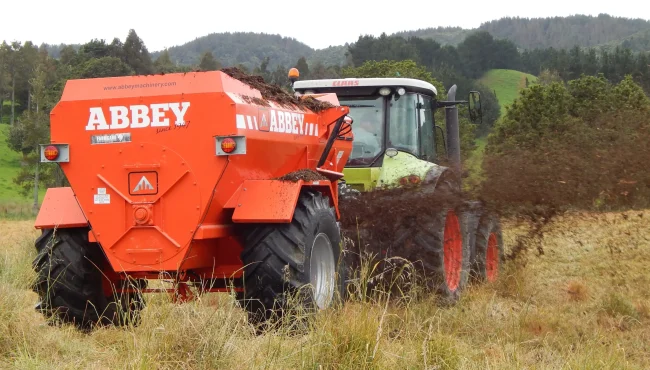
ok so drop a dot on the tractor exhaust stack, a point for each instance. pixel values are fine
(453, 132)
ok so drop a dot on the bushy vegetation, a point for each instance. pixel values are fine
(581, 144)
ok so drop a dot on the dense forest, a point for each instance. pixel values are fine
(555, 32)
(480, 52)
(251, 49)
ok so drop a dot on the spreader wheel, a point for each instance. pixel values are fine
(71, 285)
(488, 258)
(288, 267)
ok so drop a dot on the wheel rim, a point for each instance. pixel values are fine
(492, 258)
(453, 251)
(322, 270)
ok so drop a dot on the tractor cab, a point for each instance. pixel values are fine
(393, 127)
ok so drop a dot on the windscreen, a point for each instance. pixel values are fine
(367, 113)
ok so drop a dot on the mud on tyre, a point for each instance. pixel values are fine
(283, 261)
(71, 285)
(442, 239)
(487, 253)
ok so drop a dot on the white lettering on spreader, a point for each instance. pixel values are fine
(278, 121)
(137, 116)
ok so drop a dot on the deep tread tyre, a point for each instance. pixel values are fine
(70, 282)
(444, 241)
(488, 257)
(441, 240)
(475, 211)
(277, 261)
(444, 245)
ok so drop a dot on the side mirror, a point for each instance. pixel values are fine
(475, 109)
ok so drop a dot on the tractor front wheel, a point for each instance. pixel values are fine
(70, 282)
(294, 265)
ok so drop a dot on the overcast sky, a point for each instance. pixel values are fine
(317, 23)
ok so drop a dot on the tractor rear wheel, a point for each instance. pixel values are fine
(488, 249)
(446, 257)
(299, 260)
(71, 285)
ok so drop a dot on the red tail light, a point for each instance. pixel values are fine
(228, 145)
(51, 152)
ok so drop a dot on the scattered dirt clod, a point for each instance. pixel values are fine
(304, 174)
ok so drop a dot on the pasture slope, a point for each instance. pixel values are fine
(506, 83)
(12, 203)
(582, 304)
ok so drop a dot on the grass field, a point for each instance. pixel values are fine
(506, 83)
(583, 304)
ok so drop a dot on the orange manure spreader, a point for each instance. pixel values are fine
(212, 180)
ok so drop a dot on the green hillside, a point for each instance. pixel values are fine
(250, 49)
(9, 167)
(443, 35)
(556, 32)
(506, 84)
(640, 41)
(12, 203)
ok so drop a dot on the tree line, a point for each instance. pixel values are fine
(31, 80)
(557, 32)
(480, 52)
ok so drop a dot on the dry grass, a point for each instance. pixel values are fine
(583, 304)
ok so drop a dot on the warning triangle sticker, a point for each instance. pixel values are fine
(143, 184)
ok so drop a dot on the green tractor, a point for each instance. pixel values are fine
(395, 137)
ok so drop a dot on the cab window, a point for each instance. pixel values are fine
(403, 131)
(367, 113)
(427, 128)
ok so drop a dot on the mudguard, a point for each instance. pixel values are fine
(269, 201)
(60, 209)
(441, 173)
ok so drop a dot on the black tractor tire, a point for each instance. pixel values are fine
(475, 210)
(277, 262)
(488, 256)
(446, 261)
(70, 282)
